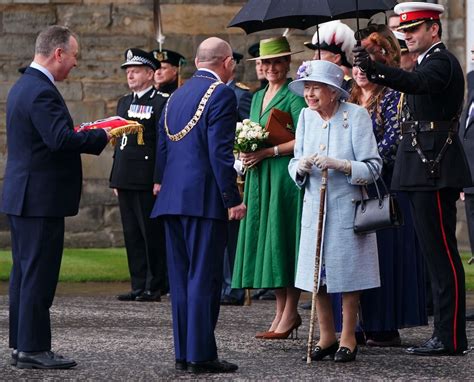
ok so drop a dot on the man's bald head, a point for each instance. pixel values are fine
(215, 54)
(211, 52)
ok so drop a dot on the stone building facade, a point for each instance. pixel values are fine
(106, 28)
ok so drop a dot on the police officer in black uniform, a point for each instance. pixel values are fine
(132, 179)
(430, 164)
(167, 76)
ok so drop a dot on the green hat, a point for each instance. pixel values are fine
(274, 47)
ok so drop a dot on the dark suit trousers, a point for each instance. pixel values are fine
(144, 241)
(195, 251)
(37, 247)
(434, 214)
(469, 205)
(229, 259)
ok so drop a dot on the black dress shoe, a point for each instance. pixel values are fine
(181, 365)
(43, 360)
(306, 305)
(148, 295)
(228, 300)
(216, 366)
(130, 296)
(432, 347)
(14, 359)
(319, 353)
(344, 354)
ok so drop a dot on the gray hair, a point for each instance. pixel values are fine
(51, 38)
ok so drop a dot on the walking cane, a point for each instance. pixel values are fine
(319, 239)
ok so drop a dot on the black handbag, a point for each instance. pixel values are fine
(382, 211)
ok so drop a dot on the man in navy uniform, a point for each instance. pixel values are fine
(466, 133)
(132, 180)
(242, 92)
(231, 296)
(197, 195)
(167, 76)
(42, 185)
(431, 165)
(254, 51)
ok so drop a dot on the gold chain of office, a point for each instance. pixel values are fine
(194, 120)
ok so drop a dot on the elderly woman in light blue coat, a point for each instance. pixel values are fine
(337, 136)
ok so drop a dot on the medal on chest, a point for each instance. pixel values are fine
(140, 111)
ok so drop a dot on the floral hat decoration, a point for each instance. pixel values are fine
(319, 71)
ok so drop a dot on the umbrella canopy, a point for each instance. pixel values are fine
(258, 15)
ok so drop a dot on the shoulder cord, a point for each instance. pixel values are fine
(194, 120)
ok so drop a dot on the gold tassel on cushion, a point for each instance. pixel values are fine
(132, 128)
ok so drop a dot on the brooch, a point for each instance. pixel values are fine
(345, 123)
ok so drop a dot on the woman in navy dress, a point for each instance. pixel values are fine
(400, 301)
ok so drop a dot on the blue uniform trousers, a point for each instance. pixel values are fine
(229, 259)
(195, 252)
(37, 247)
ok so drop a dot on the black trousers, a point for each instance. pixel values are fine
(37, 248)
(144, 241)
(469, 205)
(434, 214)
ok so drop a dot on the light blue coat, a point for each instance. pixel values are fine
(351, 260)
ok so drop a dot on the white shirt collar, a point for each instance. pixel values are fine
(422, 55)
(141, 93)
(211, 71)
(43, 70)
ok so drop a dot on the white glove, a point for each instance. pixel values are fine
(305, 166)
(239, 167)
(324, 162)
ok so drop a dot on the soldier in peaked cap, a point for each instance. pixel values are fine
(254, 51)
(167, 77)
(431, 165)
(229, 295)
(244, 97)
(132, 179)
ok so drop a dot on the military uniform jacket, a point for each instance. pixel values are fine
(244, 100)
(434, 91)
(466, 131)
(133, 167)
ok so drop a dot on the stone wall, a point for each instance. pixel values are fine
(106, 28)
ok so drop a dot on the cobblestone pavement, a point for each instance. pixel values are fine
(132, 341)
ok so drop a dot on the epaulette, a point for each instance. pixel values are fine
(242, 86)
(165, 95)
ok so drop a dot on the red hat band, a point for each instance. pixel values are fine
(418, 15)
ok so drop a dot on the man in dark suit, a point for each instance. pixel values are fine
(431, 165)
(42, 185)
(466, 133)
(197, 195)
(132, 180)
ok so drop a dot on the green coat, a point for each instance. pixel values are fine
(269, 235)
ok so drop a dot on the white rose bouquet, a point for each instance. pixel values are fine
(249, 136)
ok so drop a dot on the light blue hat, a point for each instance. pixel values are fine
(319, 71)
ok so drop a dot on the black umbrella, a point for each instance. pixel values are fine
(258, 15)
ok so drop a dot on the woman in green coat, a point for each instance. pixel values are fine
(269, 235)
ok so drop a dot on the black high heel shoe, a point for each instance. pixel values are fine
(344, 354)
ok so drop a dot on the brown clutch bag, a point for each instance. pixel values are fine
(279, 126)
